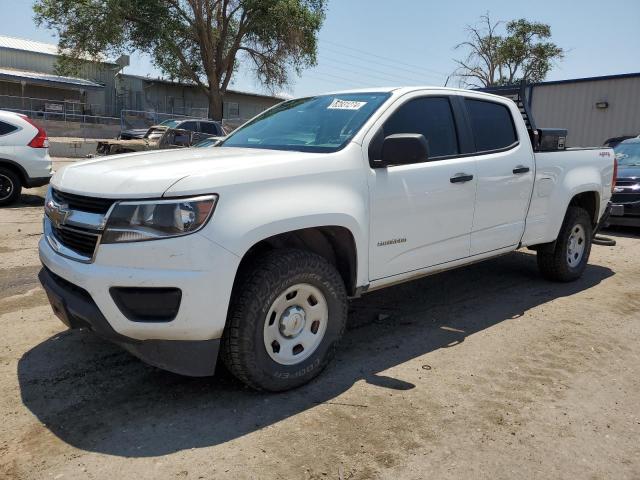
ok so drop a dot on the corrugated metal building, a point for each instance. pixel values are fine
(158, 95)
(29, 83)
(592, 109)
(27, 71)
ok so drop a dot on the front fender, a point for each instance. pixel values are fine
(250, 214)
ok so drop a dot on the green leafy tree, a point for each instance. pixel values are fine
(523, 53)
(201, 41)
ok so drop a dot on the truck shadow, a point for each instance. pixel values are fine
(97, 398)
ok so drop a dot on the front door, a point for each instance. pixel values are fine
(421, 214)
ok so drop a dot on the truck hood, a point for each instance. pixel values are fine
(152, 173)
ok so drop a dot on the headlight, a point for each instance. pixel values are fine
(136, 221)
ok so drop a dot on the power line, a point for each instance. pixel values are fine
(376, 73)
(432, 75)
(364, 52)
(344, 79)
(360, 77)
(416, 68)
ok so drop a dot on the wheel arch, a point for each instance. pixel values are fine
(335, 243)
(16, 168)
(588, 200)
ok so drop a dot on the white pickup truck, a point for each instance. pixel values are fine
(250, 249)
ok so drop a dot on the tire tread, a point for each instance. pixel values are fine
(252, 291)
(553, 264)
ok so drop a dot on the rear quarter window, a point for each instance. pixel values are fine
(6, 128)
(492, 125)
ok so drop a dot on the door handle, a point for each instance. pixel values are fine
(461, 178)
(520, 169)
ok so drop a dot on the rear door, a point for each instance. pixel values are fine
(421, 214)
(505, 169)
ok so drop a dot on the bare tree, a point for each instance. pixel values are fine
(523, 53)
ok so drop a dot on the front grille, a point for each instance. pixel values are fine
(80, 202)
(80, 241)
(627, 182)
(625, 197)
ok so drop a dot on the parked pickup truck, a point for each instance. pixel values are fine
(250, 249)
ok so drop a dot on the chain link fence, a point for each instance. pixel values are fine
(81, 114)
(60, 110)
(144, 119)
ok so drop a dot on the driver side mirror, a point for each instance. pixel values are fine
(403, 149)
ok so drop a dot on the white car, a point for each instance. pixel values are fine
(251, 248)
(24, 156)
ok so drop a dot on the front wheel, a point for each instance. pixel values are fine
(567, 261)
(285, 320)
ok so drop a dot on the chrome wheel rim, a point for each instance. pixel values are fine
(6, 187)
(295, 324)
(576, 245)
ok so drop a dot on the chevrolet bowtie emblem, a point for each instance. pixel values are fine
(57, 212)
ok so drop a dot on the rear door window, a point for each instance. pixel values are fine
(209, 127)
(433, 118)
(492, 125)
(192, 126)
(6, 128)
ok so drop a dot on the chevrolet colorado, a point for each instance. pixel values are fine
(249, 250)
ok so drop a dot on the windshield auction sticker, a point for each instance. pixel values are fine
(345, 105)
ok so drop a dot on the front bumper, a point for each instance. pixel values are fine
(75, 307)
(202, 270)
(37, 181)
(625, 214)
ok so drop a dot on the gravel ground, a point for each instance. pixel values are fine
(482, 372)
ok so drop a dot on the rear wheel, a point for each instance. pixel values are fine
(10, 186)
(285, 320)
(569, 258)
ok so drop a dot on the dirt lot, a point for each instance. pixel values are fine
(484, 372)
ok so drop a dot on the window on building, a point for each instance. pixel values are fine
(492, 125)
(430, 116)
(232, 109)
(6, 128)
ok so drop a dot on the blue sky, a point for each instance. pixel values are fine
(410, 42)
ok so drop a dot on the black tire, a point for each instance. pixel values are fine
(604, 241)
(243, 344)
(10, 187)
(554, 264)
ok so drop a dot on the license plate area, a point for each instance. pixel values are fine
(617, 210)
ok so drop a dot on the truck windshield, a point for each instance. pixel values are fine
(628, 154)
(314, 124)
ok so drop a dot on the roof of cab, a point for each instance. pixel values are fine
(404, 90)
